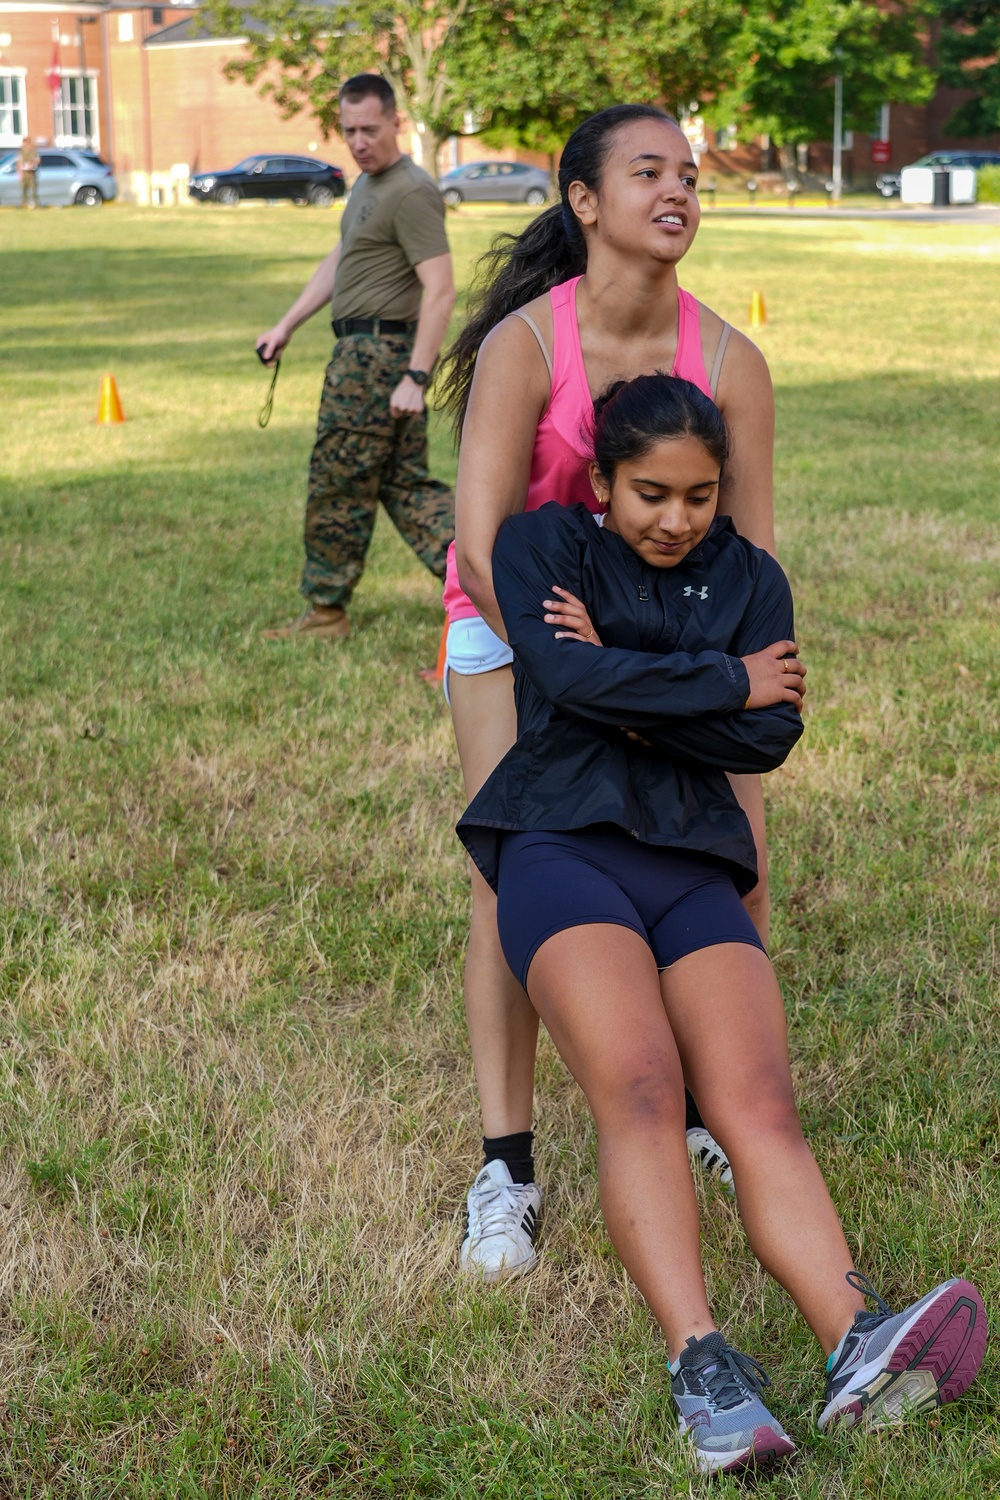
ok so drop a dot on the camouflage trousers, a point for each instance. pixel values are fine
(363, 455)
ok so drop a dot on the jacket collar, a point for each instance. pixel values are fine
(706, 548)
(719, 527)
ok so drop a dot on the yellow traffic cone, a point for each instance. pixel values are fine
(758, 312)
(109, 409)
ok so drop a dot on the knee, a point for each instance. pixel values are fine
(643, 1099)
(770, 1114)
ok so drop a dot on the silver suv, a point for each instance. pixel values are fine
(65, 176)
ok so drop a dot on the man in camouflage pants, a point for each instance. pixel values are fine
(390, 284)
(362, 455)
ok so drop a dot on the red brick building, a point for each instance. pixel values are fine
(905, 132)
(51, 72)
(144, 85)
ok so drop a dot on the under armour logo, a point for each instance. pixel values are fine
(701, 593)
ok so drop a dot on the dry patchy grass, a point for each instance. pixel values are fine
(236, 1104)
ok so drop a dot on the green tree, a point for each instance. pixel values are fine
(790, 50)
(530, 72)
(300, 54)
(527, 71)
(969, 58)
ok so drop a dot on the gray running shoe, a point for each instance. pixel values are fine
(889, 1366)
(706, 1151)
(503, 1218)
(717, 1391)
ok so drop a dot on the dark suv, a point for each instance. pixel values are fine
(301, 178)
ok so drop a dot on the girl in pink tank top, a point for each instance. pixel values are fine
(561, 457)
(602, 265)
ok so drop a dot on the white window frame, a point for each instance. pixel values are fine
(61, 108)
(10, 137)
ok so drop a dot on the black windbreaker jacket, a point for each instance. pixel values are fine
(669, 669)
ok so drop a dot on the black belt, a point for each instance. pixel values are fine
(343, 326)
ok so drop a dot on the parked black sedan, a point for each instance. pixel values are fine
(304, 179)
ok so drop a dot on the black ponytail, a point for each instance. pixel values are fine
(520, 267)
(631, 415)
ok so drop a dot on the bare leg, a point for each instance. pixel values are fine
(750, 794)
(503, 1025)
(726, 1014)
(596, 989)
(615, 1026)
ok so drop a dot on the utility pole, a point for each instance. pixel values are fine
(838, 136)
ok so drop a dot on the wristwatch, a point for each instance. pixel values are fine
(419, 377)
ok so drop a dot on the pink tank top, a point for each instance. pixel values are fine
(562, 453)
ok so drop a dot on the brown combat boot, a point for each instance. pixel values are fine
(321, 622)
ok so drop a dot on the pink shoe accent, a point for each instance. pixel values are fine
(767, 1447)
(948, 1341)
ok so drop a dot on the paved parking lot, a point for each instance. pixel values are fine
(974, 213)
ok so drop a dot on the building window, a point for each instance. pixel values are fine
(157, 17)
(13, 126)
(74, 111)
(125, 31)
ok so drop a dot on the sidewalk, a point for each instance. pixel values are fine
(975, 213)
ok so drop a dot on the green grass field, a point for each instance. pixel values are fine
(236, 1109)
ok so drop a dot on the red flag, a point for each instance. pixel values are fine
(53, 76)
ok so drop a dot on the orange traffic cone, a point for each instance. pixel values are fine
(109, 408)
(758, 312)
(437, 675)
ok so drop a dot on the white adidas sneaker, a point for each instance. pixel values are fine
(704, 1149)
(502, 1225)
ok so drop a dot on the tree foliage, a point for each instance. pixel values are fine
(531, 72)
(300, 53)
(969, 57)
(527, 71)
(791, 50)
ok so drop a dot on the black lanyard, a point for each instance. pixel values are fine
(265, 411)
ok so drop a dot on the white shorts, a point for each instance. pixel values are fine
(474, 648)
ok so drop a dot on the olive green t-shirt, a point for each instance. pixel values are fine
(392, 222)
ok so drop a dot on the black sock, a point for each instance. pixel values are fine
(694, 1119)
(515, 1151)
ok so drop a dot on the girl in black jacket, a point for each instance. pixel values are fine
(619, 854)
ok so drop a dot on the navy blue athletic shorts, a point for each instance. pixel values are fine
(676, 901)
